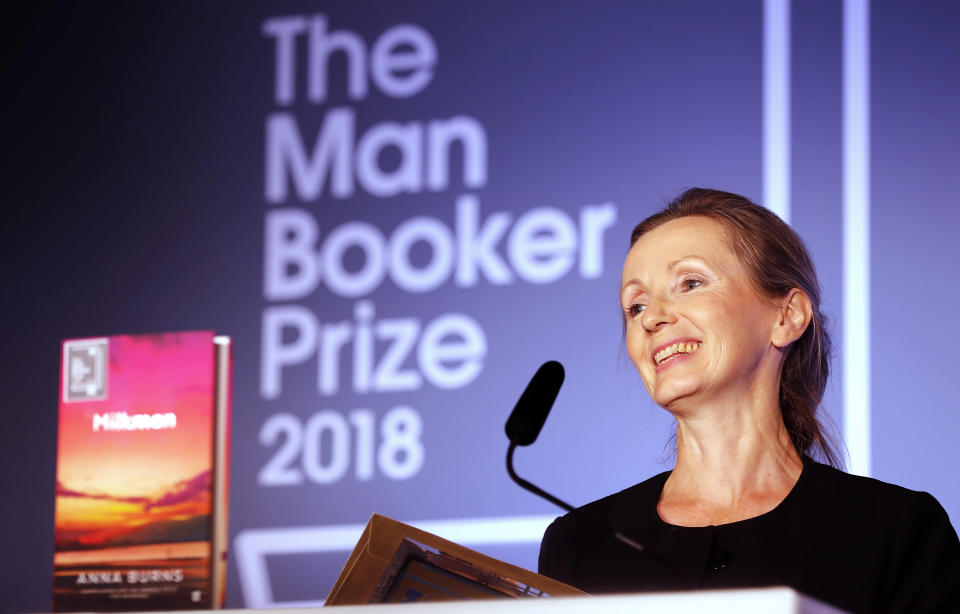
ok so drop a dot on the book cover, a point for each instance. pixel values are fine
(141, 489)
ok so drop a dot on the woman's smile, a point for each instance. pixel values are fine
(674, 352)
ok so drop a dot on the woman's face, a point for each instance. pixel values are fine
(697, 331)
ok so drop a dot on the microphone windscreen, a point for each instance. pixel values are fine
(531, 410)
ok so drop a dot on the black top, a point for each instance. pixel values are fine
(857, 543)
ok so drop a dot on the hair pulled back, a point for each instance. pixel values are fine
(776, 261)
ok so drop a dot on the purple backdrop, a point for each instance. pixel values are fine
(400, 210)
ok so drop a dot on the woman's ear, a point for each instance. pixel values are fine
(795, 314)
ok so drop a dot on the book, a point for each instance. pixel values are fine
(396, 563)
(142, 472)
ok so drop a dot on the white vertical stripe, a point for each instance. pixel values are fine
(776, 107)
(856, 233)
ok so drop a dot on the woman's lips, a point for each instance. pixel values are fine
(674, 352)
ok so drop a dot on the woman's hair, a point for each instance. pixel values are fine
(776, 261)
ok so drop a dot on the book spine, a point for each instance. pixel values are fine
(221, 466)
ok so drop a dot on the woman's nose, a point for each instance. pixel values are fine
(657, 315)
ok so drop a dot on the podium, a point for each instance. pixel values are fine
(755, 601)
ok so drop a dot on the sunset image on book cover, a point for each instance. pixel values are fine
(141, 486)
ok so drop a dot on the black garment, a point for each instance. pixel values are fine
(857, 543)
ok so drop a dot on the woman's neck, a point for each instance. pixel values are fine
(730, 466)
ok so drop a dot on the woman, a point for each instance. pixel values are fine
(723, 323)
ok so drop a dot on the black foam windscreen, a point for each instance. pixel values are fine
(531, 410)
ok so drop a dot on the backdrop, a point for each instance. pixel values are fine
(400, 210)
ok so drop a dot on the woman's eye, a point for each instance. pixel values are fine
(690, 284)
(636, 309)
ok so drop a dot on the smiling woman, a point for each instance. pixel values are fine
(722, 321)
(761, 262)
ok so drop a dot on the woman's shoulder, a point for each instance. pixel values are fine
(909, 530)
(845, 489)
(911, 522)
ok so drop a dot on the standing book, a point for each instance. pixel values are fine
(142, 472)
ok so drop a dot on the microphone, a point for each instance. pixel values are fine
(527, 418)
(524, 425)
(530, 412)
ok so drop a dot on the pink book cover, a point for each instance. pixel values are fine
(141, 472)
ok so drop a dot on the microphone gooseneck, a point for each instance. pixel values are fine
(563, 504)
(533, 487)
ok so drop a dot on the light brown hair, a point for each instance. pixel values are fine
(777, 261)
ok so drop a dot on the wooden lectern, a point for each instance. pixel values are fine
(397, 563)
